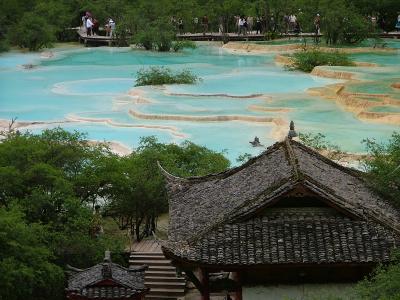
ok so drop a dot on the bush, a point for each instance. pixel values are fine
(308, 59)
(320, 143)
(156, 36)
(163, 75)
(384, 282)
(32, 32)
(3, 46)
(342, 25)
(384, 167)
(179, 45)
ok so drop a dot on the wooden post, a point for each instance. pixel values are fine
(238, 294)
(205, 294)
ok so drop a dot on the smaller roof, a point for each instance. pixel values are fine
(94, 282)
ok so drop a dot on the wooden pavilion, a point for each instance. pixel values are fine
(289, 215)
(106, 280)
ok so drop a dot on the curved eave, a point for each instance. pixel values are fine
(182, 262)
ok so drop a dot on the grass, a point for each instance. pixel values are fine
(307, 59)
(163, 75)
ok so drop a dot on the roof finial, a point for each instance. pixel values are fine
(292, 132)
(106, 268)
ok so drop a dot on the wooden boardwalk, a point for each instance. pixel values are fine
(212, 36)
(146, 246)
(94, 39)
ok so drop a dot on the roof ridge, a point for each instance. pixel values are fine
(223, 174)
(350, 171)
(292, 158)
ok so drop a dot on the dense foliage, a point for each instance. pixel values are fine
(138, 196)
(50, 184)
(343, 21)
(307, 59)
(383, 284)
(384, 167)
(163, 75)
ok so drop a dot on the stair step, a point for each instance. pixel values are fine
(158, 273)
(153, 297)
(150, 262)
(162, 268)
(165, 285)
(148, 253)
(166, 292)
(147, 257)
(162, 278)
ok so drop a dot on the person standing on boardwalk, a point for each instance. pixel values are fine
(111, 24)
(398, 23)
(317, 27)
(89, 26)
(204, 22)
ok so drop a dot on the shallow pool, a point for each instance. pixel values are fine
(240, 96)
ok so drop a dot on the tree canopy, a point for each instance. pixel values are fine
(50, 184)
(46, 21)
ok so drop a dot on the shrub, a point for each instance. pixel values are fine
(308, 59)
(3, 46)
(321, 144)
(179, 45)
(163, 75)
(384, 282)
(157, 36)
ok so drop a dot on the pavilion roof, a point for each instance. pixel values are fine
(220, 208)
(119, 282)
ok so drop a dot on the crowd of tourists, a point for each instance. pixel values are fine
(245, 25)
(91, 25)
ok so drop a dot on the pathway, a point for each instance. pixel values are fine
(161, 276)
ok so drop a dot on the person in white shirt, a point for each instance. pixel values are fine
(89, 26)
(111, 26)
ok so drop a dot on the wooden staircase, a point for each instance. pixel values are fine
(161, 276)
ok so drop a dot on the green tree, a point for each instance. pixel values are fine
(32, 32)
(383, 284)
(27, 270)
(138, 196)
(384, 167)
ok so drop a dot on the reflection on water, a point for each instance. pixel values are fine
(90, 87)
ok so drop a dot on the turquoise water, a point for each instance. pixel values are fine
(89, 88)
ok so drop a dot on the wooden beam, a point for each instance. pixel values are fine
(238, 293)
(205, 280)
(196, 282)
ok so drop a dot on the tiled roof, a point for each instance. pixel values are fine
(85, 282)
(108, 292)
(206, 212)
(220, 198)
(291, 238)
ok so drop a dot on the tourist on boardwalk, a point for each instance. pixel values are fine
(89, 26)
(258, 25)
(95, 27)
(237, 19)
(317, 27)
(272, 23)
(250, 24)
(242, 29)
(204, 22)
(398, 23)
(297, 28)
(286, 22)
(180, 26)
(111, 23)
(196, 24)
(292, 22)
(84, 22)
